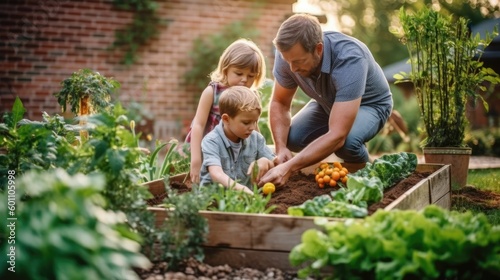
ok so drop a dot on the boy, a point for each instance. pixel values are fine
(230, 150)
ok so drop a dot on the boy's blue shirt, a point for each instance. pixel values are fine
(216, 150)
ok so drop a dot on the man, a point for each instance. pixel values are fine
(350, 98)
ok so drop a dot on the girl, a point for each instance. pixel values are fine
(241, 63)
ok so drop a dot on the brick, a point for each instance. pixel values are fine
(49, 40)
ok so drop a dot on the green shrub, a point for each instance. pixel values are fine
(484, 142)
(62, 231)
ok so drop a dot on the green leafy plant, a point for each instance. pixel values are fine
(446, 72)
(431, 244)
(337, 206)
(62, 230)
(184, 231)
(231, 200)
(173, 161)
(86, 83)
(144, 26)
(38, 145)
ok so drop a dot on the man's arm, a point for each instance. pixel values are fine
(340, 124)
(280, 118)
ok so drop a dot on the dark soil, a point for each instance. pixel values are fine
(300, 188)
(482, 200)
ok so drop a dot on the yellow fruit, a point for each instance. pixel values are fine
(268, 188)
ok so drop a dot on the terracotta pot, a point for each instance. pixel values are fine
(457, 158)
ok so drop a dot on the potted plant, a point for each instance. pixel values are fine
(87, 92)
(446, 72)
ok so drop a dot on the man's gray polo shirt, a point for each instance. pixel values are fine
(216, 150)
(348, 71)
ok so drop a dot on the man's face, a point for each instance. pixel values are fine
(302, 62)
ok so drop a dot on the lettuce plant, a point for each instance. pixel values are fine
(430, 244)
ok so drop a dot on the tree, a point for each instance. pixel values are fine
(370, 20)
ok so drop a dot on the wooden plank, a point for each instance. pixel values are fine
(157, 187)
(415, 198)
(444, 201)
(256, 231)
(429, 167)
(440, 183)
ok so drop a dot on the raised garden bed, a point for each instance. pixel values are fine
(257, 240)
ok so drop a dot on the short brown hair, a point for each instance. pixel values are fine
(241, 54)
(238, 99)
(299, 28)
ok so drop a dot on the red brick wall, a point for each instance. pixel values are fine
(44, 41)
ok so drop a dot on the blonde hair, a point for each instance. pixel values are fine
(241, 54)
(299, 28)
(238, 99)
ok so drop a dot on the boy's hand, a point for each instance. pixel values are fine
(258, 168)
(240, 187)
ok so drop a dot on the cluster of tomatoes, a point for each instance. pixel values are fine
(329, 174)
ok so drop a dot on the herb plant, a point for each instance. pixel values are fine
(231, 200)
(86, 83)
(446, 72)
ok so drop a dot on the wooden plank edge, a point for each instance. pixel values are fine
(422, 184)
(444, 201)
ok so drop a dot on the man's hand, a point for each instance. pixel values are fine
(278, 175)
(284, 155)
(258, 168)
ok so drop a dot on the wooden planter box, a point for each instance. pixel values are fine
(264, 240)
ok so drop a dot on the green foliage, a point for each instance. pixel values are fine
(184, 232)
(446, 73)
(86, 82)
(484, 142)
(111, 151)
(371, 20)
(230, 200)
(173, 162)
(144, 26)
(38, 145)
(207, 50)
(62, 230)
(337, 206)
(431, 244)
(485, 179)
